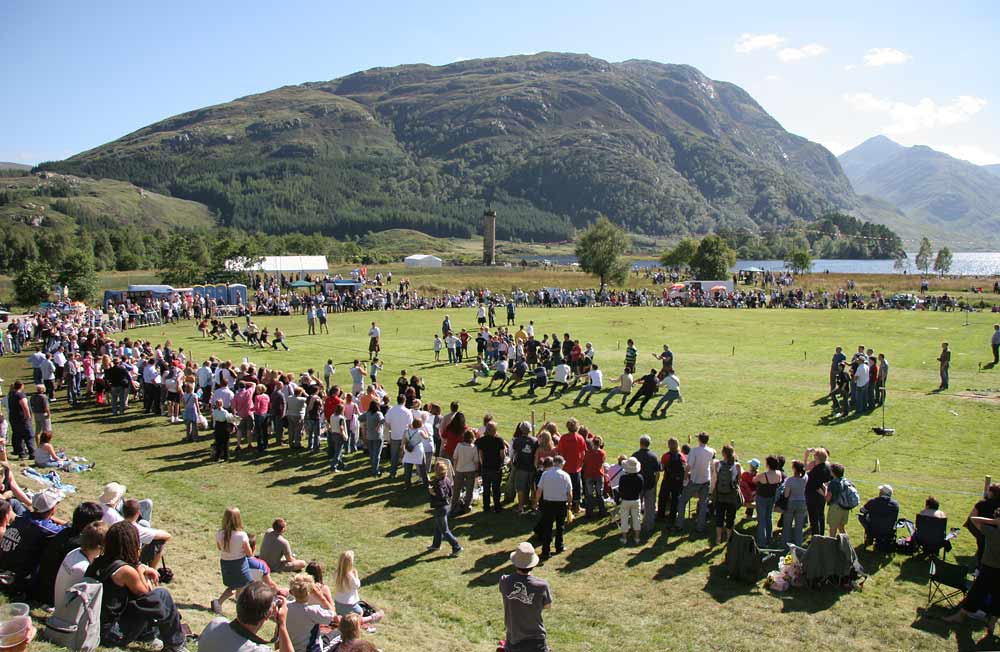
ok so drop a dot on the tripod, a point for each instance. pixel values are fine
(883, 430)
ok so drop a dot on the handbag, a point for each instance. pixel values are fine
(165, 573)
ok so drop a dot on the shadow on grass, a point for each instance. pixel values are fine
(682, 565)
(722, 588)
(388, 573)
(930, 621)
(489, 568)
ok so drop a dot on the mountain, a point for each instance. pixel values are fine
(42, 215)
(550, 140)
(4, 165)
(993, 169)
(942, 197)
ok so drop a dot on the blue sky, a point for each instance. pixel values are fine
(79, 74)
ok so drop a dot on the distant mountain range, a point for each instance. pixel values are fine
(4, 165)
(940, 196)
(551, 140)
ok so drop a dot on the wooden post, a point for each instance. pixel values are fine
(532, 421)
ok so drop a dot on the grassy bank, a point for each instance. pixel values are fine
(752, 377)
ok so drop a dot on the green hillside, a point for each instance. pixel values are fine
(550, 140)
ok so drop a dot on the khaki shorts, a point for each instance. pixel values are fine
(836, 518)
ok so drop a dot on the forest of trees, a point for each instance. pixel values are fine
(834, 235)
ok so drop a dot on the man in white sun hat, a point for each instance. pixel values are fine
(524, 598)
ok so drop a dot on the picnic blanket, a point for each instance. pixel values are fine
(49, 479)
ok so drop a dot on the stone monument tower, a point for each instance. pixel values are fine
(489, 237)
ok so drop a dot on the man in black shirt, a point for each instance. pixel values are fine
(647, 390)
(491, 454)
(650, 470)
(819, 475)
(120, 381)
(523, 449)
(20, 421)
(27, 538)
(61, 544)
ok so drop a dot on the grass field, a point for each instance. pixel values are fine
(751, 377)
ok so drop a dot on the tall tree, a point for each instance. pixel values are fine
(713, 259)
(599, 251)
(923, 260)
(899, 260)
(681, 254)
(33, 283)
(799, 261)
(942, 263)
(76, 272)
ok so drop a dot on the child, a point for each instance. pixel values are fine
(373, 369)
(437, 348)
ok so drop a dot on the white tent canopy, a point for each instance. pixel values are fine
(422, 260)
(283, 265)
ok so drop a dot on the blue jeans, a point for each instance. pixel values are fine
(765, 524)
(441, 529)
(615, 391)
(861, 399)
(260, 429)
(795, 521)
(395, 454)
(667, 398)
(118, 396)
(375, 454)
(944, 377)
(690, 491)
(312, 430)
(588, 390)
(335, 449)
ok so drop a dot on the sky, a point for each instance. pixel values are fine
(78, 74)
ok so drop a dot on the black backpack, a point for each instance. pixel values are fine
(675, 471)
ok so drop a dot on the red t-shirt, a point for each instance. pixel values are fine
(572, 447)
(593, 464)
(451, 441)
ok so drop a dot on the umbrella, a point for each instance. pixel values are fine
(719, 288)
(301, 284)
(677, 286)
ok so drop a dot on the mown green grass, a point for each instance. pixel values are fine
(751, 377)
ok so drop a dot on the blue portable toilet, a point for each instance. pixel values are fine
(237, 294)
(198, 291)
(222, 294)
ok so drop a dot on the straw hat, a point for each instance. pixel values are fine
(112, 493)
(631, 465)
(524, 556)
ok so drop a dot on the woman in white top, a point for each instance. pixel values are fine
(234, 548)
(346, 586)
(413, 455)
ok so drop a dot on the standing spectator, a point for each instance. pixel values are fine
(374, 425)
(944, 362)
(572, 447)
(223, 425)
(630, 489)
(40, 412)
(837, 513)
(279, 406)
(466, 464)
(191, 413)
(726, 493)
(522, 452)
(234, 549)
(994, 344)
(796, 511)
(767, 484)
(261, 411)
(699, 474)
(413, 455)
(553, 498)
(673, 464)
(19, 414)
(838, 357)
(374, 341)
(525, 597)
(861, 378)
(650, 477)
(357, 378)
(819, 472)
(441, 490)
(593, 477)
(492, 450)
(295, 413)
(398, 418)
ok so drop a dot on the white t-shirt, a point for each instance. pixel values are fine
(146, 534)
(300, 621)
(235, 549)
(350, 596)
(700, 462)
(71, 571)
(561, 373)
(111, 515)
(596, 377)
(399, 419)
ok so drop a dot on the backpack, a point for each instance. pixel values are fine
(76, 621)
(675, 469)
(849, 498)
(725, 484)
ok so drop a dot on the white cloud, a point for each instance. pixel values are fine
(971, 153)
(835, 146)
(878, 57)
(772, 78)
(790, 55)
(749, 42)
(849, 67)
(926, 114)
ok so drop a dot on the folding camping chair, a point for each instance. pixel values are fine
(946, 582)
(930, 535)
(745, 561)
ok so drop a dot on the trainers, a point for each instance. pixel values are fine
(455, 552)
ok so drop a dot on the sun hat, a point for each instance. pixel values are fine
(44, 501)
(755, 463)
(631, 465)
(112, 493)
(524, 556)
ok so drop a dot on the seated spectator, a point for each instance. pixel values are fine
(26, 539)
(311, 608)
(60, 545)
(346, 586)
(112, 495)
(256, 603)
(47, 457)
(351, 636)
(151, 540)
(133, 608)
(12, 492)
(878, 517)
(76, 562)
(277, 552)
(6, 516)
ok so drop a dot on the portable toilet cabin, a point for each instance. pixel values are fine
(198, 291)
(222, 294)
(237, 294)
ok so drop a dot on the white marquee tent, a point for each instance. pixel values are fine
(422, 260)
(283, 265)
